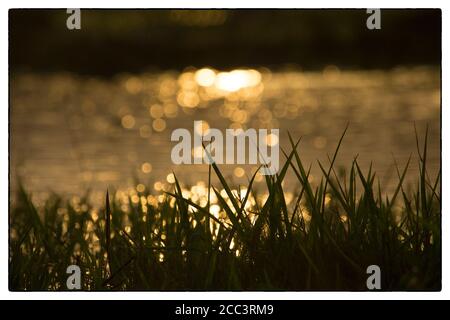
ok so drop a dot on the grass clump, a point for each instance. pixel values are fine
(324, 240)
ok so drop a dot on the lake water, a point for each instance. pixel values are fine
(70, 133)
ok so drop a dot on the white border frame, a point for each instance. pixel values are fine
(6, 294)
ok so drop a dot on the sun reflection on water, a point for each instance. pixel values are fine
(103, 132)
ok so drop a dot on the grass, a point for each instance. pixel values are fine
(323, 240)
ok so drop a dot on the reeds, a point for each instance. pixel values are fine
(324, 240)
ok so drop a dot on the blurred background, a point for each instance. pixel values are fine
(112, 41)
(94, 108)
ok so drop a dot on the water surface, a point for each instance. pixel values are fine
(71, 133)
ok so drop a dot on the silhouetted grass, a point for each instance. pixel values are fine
(325, 240)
